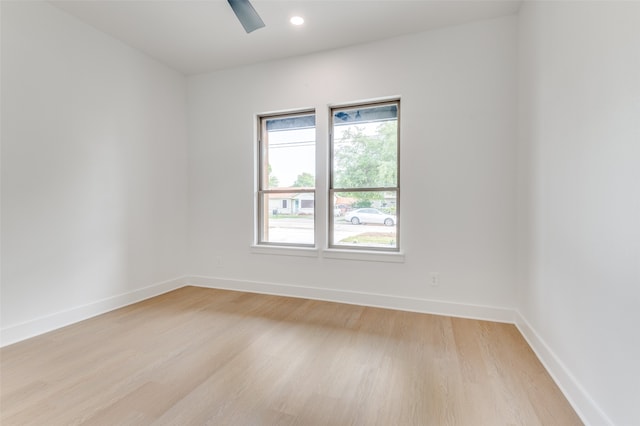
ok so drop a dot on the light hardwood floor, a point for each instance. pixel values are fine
(200, 356)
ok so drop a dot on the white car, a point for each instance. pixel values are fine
(369, 215)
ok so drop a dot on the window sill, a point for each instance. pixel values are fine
(363, 255)
(359, 255)
(285, 251)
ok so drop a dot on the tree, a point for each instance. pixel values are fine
(305, 180)
(274, 182)
(362, 203)
(367, 161)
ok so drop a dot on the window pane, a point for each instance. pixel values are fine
(288, 218)
(365, 219)
(365, 147)
(288, 152)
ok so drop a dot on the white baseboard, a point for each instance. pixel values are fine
(487, 313)
(25, 330)
(590, 413)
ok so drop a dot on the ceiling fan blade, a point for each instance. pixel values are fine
(246, 14)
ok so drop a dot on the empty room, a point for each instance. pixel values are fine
(358, 212)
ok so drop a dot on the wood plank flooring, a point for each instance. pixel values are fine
(201, 356)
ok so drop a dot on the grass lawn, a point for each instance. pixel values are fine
(387, 238)
(291, 216)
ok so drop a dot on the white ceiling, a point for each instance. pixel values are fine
(197, 36)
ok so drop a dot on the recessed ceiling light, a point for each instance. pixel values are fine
(297, 20)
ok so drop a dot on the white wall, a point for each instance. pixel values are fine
(458, 90)
(579, 221)
(94, 180)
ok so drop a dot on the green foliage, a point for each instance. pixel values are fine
(363, 160)
(362, 203)
(305, 180)
(274, 182)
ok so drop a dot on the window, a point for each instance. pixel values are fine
(364, 188)
(286, 179)
(354, 180)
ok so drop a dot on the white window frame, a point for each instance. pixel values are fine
(323, 194)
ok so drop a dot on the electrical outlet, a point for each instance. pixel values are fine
(217, 261)
(434, 279)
